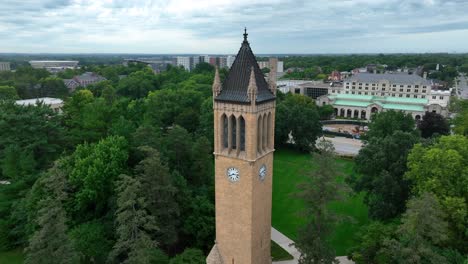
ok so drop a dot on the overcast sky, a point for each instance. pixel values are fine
(216, 26)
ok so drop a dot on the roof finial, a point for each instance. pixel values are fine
(245, 34)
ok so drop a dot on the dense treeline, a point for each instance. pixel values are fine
(414, 178)
(125, 173)
(319, 66)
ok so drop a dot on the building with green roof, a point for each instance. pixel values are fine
(362, 106)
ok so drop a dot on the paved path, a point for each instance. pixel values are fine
(345, 146)
(286, 243)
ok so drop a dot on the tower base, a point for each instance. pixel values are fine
(214, 257)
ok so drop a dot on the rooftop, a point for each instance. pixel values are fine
(388, 102)
(45, 100)
(397, 78)
(234, 87)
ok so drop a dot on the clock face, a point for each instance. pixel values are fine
(233, 174)
(262, 172)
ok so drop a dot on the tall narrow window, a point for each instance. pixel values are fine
(242, 133)
(265, 131)
(269, 141)
(259, 134)
(233, 121)
(224, 136)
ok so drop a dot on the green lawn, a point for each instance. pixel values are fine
(12, 257)
(288, 168)
(278, 253)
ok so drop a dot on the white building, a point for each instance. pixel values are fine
(184, 62)
(54, 66)
(365, 93)
(195, 61)
(230, 61)
(54, 103)
(4, 66)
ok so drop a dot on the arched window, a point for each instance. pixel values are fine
(269, 127)
(233, 122)
(242, 133)
(259, 134)
(224, 132)
(265, 131)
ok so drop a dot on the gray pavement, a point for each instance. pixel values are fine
(345, 146)
(286, 243)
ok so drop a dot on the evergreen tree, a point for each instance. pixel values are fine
(159, 192)
(50, 243)
(134, 244)
(319, 189)
(422, 230)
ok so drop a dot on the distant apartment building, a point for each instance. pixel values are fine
(195, 60)
(266, 64)
(222, 62)
(205, 58)
(54, 66)
(184, 62)
(4, 66)
(230, 61)
(83, 80)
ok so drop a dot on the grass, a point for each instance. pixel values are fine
(278, 253)
(12, 257)
(288, 172)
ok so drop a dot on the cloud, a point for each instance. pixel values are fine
(206, 26)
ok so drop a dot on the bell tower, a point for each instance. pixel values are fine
(244, 114)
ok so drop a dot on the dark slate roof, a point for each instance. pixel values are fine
(234, 87)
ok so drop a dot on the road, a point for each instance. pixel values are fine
(462, 87)
(345, 146)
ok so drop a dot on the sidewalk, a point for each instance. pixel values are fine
(284, 242)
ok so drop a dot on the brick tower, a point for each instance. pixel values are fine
(244, 115)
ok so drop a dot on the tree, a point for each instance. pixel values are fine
(159, 192)
(8, 93)
(200, 223)
(370, 242)
(93, 169)
(169, 107)
(34, 130)
(441, 169)
(386, 123)
(134, 244)
(138, 84)
(52, 87)
(202, 170)
(189, 256)
(317, 191)
(325, 112)
(91, 241)
(177, 149)
(422, 230)
(382, 164)
(50, 243)
(433, 123)
(206, 126)
(297, 115)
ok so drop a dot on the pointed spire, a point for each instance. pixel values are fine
(216, 83)
(245, 35)
(252, 88)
